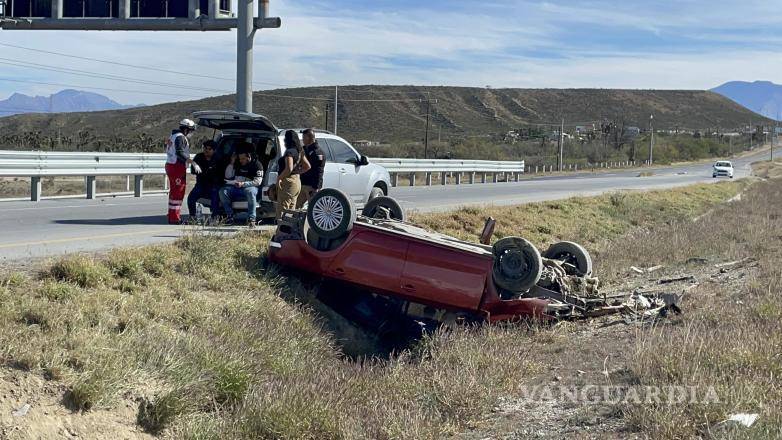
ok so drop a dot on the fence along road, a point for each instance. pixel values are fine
(37, 164)
(50, 227)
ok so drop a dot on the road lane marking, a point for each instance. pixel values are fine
(92, 237)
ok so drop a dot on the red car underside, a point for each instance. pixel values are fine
(400, 260)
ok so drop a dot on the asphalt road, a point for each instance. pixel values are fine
(52, 227)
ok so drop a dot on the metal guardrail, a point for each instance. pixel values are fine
(37, 164)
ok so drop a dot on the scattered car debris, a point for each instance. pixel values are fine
(637, 270)
(743, 419)
(678, 279)
(732, 263)
(22, 410)
(654, 268)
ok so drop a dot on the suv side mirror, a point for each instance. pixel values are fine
(363, 160)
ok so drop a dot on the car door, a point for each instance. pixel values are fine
(331, 170)
(346, 161)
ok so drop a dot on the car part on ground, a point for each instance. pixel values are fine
(436, 276)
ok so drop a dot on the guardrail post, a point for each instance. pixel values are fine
(90, 181)
(412, 179)
(496, 177)
(483, 177)
(428, 179)
(138, 185)
(127, 183)
(459, 178)
(575, 167)
(395, 180)
(444, 178)
(518, 176)
(472, 177)
(35, 189)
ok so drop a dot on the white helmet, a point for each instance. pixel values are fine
(187, 123)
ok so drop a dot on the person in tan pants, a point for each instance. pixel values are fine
(289, 166)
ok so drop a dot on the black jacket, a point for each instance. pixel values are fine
(211, 171)
(314, 176)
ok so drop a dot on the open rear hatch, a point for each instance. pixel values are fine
(227, 121)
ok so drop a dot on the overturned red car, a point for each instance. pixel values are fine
(437, 276)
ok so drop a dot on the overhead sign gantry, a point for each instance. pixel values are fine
(150, 15)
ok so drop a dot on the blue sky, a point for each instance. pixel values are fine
(684, 44)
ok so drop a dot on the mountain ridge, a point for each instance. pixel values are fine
(64, 101)
(762, 97)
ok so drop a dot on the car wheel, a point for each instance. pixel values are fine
(375, 193)
(517, 264)
(331, 213)
(384, 208)
(573, 254)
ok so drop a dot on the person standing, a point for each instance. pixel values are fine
(208, 181)
(245, 176)
(311, 180)
(289, 166)
(177, 161)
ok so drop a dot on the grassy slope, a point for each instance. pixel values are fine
(459, 110)
(210, 334)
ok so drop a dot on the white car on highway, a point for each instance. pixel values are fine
(722, 168)
(346, 169)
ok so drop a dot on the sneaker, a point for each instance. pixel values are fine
(229, 221)
(251, 223)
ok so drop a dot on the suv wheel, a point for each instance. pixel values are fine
(331, 213)
(376, 192)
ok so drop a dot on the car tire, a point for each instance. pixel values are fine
(331, 213)
(375, 193)
(713, 176)
(517, 264)
(572, 253)
(392, 207)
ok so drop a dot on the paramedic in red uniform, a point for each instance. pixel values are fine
(177, 161)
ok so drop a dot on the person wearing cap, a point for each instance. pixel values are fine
(177, 161)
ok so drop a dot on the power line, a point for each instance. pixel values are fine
(134, 66)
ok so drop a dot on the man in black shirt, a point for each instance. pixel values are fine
(208, 179)
(243, 178)
(312, 180)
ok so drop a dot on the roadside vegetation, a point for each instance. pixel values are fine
(211, 341)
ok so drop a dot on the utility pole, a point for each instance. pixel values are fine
(426, 138)
(651, 139)
(336, 96)
(560, 155)
(326, 126)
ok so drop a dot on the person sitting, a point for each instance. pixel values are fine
(208, 180)
(243, 177)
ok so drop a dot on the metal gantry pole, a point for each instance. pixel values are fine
(245, 34)
(426, 138)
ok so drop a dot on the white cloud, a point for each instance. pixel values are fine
(437, 45)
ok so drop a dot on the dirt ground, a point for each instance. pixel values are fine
(596, 353)
(47, 417)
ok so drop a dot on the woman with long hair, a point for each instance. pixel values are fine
(292, 163)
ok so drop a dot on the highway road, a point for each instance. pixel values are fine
(31, 230)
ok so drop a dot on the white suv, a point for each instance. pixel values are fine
(345, 169)
(722, 168)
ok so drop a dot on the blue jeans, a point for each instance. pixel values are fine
(230, 193)
(201, 191)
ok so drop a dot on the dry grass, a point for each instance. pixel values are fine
(589, 220)
(200, 330)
